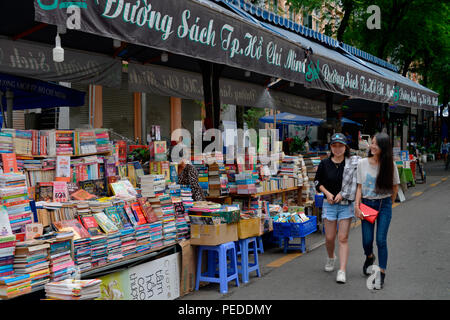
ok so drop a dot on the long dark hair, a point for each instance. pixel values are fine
(385, 178)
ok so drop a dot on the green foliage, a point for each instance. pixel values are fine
(251, 117)
(296, 146)
(140, 154)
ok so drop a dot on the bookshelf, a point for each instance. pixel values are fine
(70, 155)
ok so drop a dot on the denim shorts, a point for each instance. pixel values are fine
(337, 211)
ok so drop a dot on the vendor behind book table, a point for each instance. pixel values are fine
(188, 175)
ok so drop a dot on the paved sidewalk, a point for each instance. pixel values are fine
(274, 258)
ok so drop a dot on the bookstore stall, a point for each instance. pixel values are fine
(73, 211)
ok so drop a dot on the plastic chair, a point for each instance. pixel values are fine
(217, 269)
(245, 251)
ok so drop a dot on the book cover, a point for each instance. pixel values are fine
(33, 230)
(123, 216)
(9, 162)
(62, 168)
(60, 191)
(88, 186)
(137, 211)
(44, 191)
(82, 195)
(130, 214)
(105, 223)
(5, 225)
(72, 225)
(147, 209)
(101, 189)
(90, 223)
(112, 214)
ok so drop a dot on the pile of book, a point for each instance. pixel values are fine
(22, 140)
(128, 240)
(85, 141)
(202, 177)
(231, 171)
(114, 246)
(102, 140)
(7, 248)
(64, 142)
(291, 166)
(82, 253)
(14, 198)
(60, 258)
(246, 184)
(71, 289)
(99, 254)
(14, 285)
(143, 238)
(168, 219)
(147, 186)
(186, 197)
(214, 180)
(6, 143)
(156, 235)
(180, 220)
(159, 183)
(31, 258)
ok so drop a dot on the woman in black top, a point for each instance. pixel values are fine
(336, 208)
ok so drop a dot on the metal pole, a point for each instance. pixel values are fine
(9, 108)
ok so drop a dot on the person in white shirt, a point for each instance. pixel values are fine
(378, 180)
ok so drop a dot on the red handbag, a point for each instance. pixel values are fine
(369, 213)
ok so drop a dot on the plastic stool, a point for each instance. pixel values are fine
(246, 266)
(259, 242)
(217, 256)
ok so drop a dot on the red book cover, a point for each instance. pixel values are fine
(9, 162)
(137, 210)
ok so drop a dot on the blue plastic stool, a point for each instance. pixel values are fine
(217, 257)
(259, 242)
(246, 266)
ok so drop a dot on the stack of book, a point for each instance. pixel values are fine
(156, 235)
(159, 183)
(82, 253)
(60, 258)
(64, 142)
(143, 239)
(168, 219)
(14, 285)
(14, 198)
(214, 180)
(7, 248)
(23, 143)
(39, 141)
(85, 168)
(71, 289)
(128, 240)
(186, 197)
(147, 186)
(31, 258)
(181, 222)
(6, 143)
(291, 167)
(114, 249)
(99, 250)
(85, 141)
(246, 184)
(102, 140)
(202, 177)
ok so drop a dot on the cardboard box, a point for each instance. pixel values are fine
(188, 267)
(213, 235)
(249, 228)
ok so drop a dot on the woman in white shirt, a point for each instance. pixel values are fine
(378, 180)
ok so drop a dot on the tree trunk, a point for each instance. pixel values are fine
(348, 7)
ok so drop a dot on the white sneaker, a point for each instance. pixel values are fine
(329, 266)
(340, 277)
